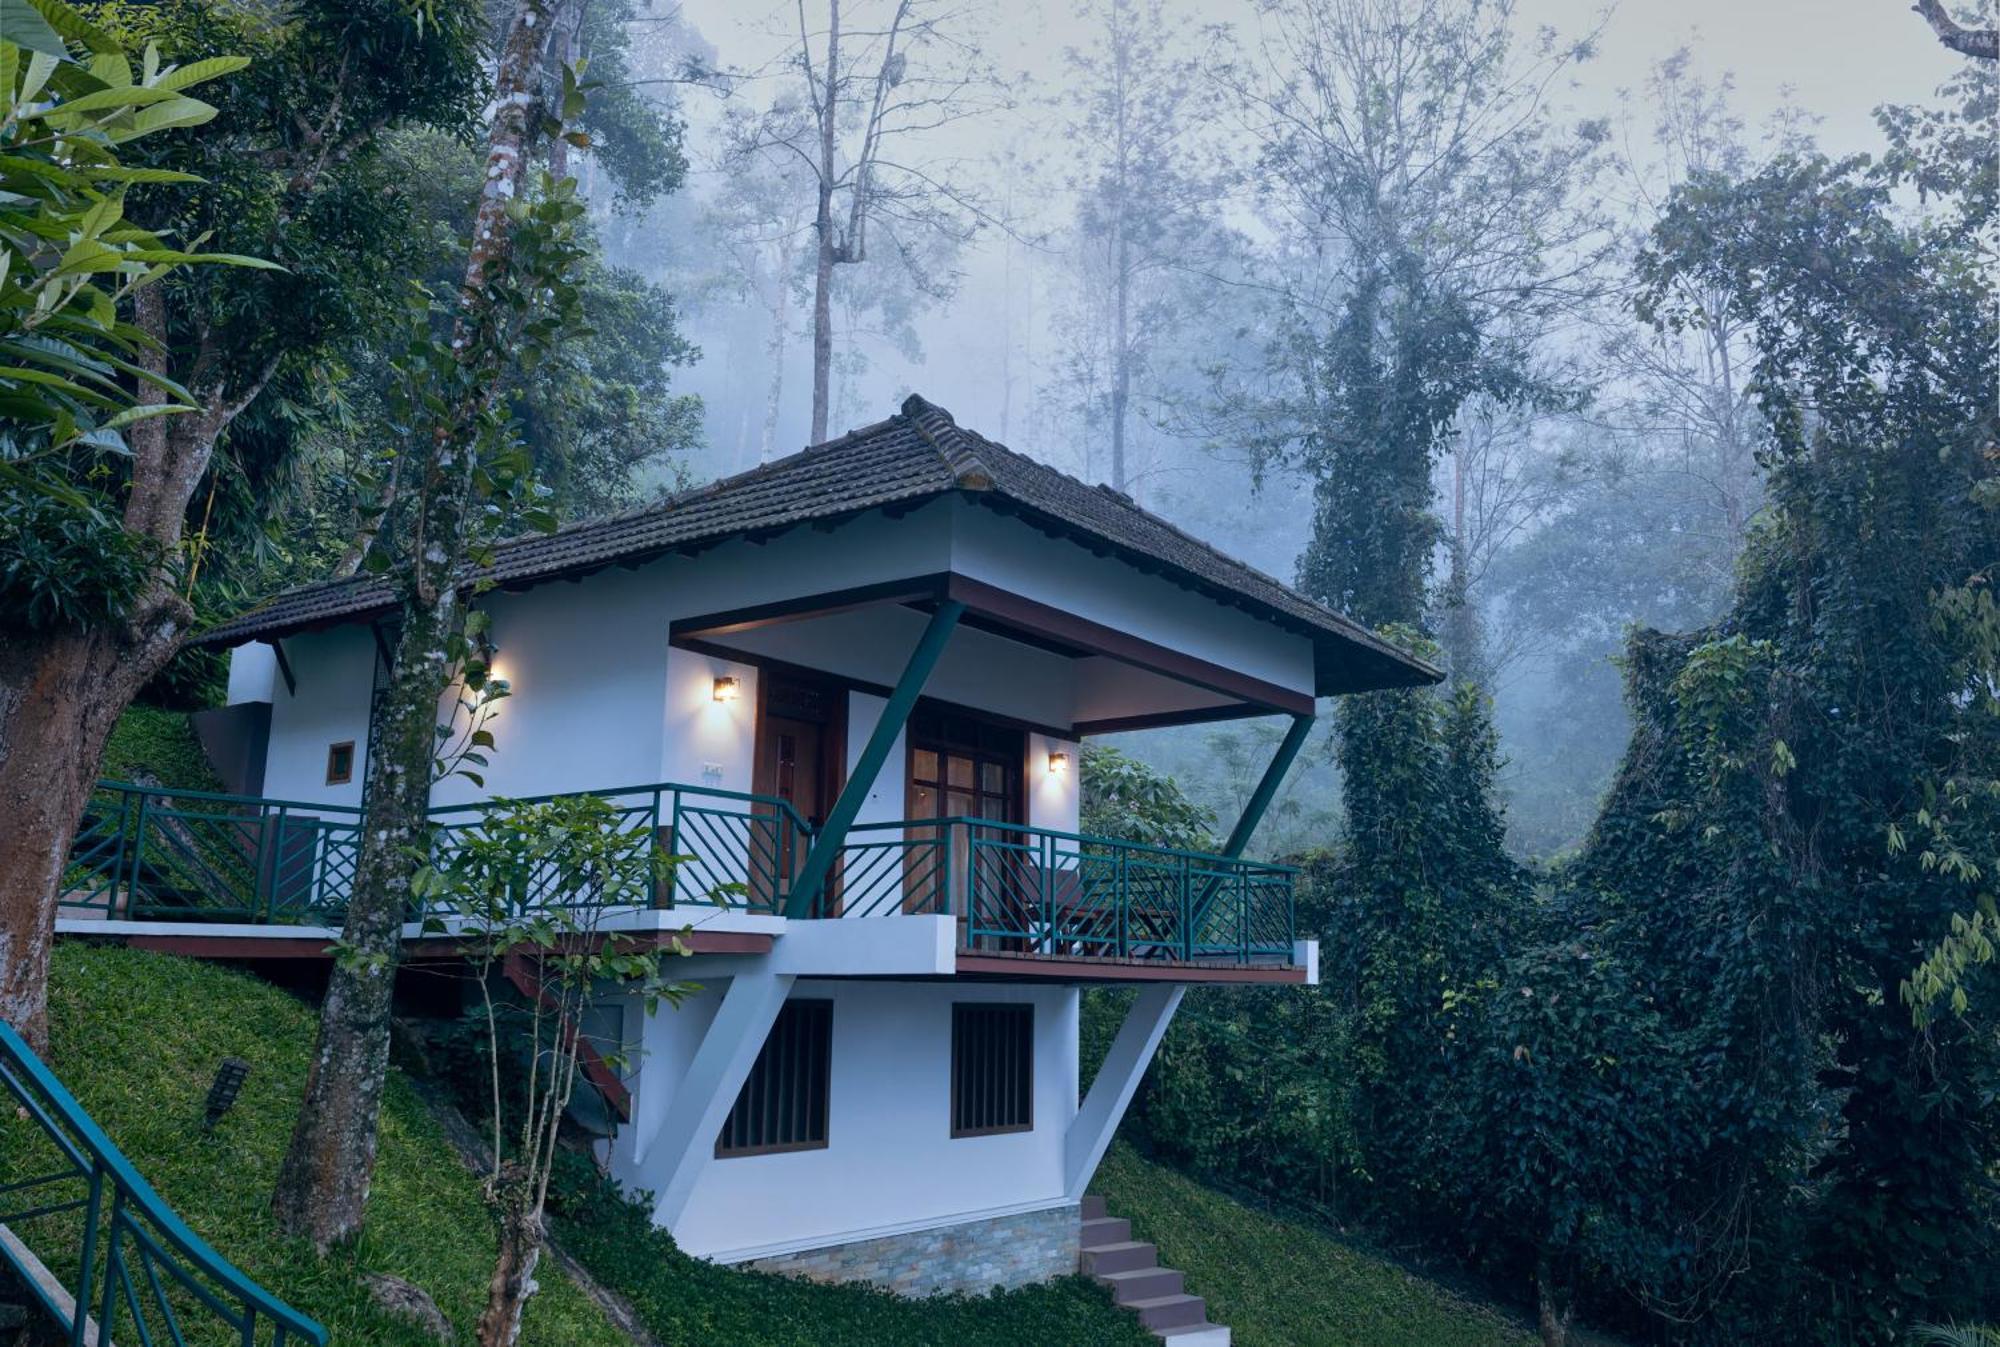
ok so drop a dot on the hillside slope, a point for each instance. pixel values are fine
(1279, 1283)
(137, 1037)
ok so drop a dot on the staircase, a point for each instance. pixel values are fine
(1131, 1268)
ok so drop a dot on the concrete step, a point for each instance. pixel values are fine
(1105, 1230)
(1093, 1207)
(1194, 1335)
(1175, 1311)
(1143, 1284)
(1124, 1256)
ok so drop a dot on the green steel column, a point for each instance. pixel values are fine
(895, 714)
(1267, 789)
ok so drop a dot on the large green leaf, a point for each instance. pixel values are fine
(23, 25)
(199, 72)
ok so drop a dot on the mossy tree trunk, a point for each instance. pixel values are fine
(322, 1186)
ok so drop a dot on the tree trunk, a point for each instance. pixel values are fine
(775, 349)
(513, 1280)
(323, 1183)
(1551, 1306)
(61, 692)
(1121, 361)
(823, 257)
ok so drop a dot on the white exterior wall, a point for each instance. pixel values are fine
(253, 673)
(600, 700)
(335, 670)
(891, 1163)
(586, 664)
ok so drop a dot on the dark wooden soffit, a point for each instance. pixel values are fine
(1003, 613)
(771, 664)
(1027, 967)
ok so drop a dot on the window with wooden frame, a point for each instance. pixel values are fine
(783, 1103)
(992, 1068)
(964, 766)
(340, 763)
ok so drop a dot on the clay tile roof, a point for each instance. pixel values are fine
(917, 455)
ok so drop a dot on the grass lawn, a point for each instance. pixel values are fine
(137, 1036)
(1278, 1283)
(151, 744)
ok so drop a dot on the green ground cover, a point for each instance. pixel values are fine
(1281, 1283)
(137, 1036)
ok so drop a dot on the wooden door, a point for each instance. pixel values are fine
(801, 745)
(960, 767)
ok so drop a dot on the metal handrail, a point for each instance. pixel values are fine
(1087, 839)
(127, 1228)
(299, 857)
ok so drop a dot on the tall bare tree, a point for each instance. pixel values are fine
(322, 1186)
(1148, 187)
(870, 97)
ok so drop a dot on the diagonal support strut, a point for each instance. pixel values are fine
(895, 714)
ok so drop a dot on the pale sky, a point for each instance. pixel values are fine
(1836, 60)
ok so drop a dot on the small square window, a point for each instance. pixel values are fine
(340, 763)
(784, 1101)
(992, 1068)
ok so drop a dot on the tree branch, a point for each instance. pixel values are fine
(1981, 44)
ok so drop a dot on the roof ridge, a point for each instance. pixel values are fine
(953, 445)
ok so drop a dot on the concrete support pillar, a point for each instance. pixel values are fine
(1090, 1132)
(684, 1141)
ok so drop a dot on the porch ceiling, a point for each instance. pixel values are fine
(1011, 656)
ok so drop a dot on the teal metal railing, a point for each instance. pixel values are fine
(1028, 890)
(198, 855)
(143, 852)
(729, 847)
(189, 855)
(121, 1266)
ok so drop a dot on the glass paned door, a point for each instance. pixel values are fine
(960, 768)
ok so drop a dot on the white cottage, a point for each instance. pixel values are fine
(855, 682)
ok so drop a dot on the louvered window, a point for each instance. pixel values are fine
(992, 1068)
(783, 1105)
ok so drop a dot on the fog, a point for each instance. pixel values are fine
(990, 319)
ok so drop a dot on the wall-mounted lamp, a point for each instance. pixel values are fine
(1058, 764)
(727, 688)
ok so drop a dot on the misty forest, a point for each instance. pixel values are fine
(1640, 371)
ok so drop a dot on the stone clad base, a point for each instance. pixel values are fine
(974, 1257)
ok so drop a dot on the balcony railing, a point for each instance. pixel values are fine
(1024, 890)
(145, 853)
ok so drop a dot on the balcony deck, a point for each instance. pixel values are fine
(1022, 898)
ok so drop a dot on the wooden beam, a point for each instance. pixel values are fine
(1071, 968)
(285, 668)
(806, 606)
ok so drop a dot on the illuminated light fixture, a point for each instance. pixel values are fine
(727, 689)
(1058, 764)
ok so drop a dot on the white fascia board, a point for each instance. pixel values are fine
(1305, 954)
(913, 945)
(203, 929)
